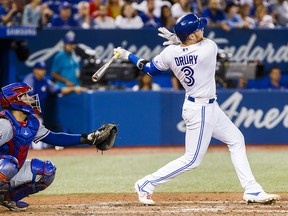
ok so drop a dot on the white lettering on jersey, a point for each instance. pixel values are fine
(193, 65)
(190, 59)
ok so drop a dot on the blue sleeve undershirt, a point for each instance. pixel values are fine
(149, 68)
(62, 139)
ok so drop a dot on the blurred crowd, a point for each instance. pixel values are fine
(136, 14)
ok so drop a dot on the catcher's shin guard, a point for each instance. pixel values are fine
(43, 176)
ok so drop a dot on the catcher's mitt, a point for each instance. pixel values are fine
(103, 138)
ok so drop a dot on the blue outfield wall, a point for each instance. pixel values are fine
(154, 118)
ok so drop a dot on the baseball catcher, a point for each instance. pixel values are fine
(20, 177)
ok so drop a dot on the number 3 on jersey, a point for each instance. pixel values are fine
(189, 72)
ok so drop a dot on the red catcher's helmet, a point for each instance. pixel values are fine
(15, 96)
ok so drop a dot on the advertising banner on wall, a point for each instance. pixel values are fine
(244, 45)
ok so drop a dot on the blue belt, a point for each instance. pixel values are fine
(193, 99)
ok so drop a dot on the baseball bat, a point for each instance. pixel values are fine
(101, 71)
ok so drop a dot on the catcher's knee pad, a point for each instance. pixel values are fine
(9, 167)
(43, 171)
(43, 174)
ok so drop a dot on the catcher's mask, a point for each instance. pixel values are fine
(15, 96)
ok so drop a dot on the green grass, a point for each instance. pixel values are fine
(118, 173)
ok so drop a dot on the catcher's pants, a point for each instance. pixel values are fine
(24, 175)
(205, 120)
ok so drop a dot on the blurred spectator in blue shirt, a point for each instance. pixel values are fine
(64, 18)
(273, 81)
(215, 15)
(148, 17)
(8, 11)
(233, 19)
(65, 66)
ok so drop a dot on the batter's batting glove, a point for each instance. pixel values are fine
(171, 37)
(103, 138)
(123, 54)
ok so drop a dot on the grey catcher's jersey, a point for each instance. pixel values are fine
(6, 132)
(193, 65)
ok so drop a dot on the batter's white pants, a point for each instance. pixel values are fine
(204, 121)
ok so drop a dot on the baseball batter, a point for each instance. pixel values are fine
(20, 177)
(193, 62)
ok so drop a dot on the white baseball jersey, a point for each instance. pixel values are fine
(193, 65)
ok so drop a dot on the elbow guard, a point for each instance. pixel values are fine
(140, 63)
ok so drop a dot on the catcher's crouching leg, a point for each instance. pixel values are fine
(43, 175)
(9, 167)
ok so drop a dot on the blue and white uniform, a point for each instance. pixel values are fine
(194, 66)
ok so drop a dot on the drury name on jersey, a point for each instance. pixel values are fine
(186, 60)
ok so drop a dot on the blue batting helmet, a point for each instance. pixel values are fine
(11, 97)
(188, 24)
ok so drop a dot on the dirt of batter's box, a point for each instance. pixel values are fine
(166, 204)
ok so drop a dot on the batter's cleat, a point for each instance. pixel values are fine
(144, 197)
(261, 197)
(14, 205)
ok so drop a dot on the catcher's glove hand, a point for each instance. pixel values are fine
(103, 138)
